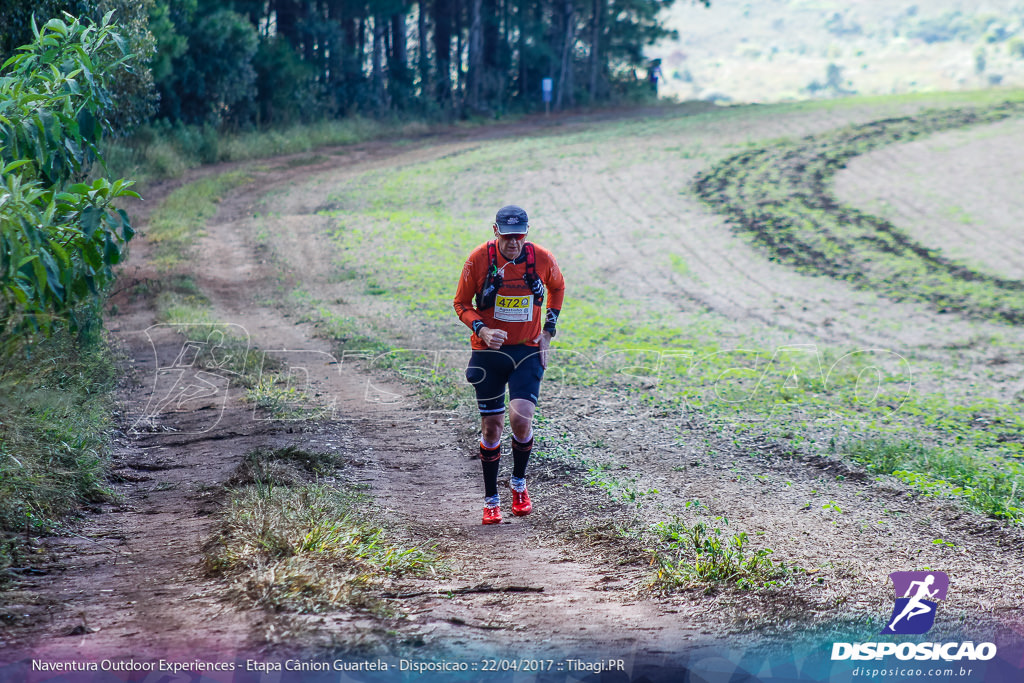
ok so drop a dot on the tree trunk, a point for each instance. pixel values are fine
(361, 38)
(335, 61)
(596, 28)
(399, 48)
(288, 12)
(306, 34)
(426, 82)
(380, 93)
(443, 50)
(460, 74)
(476, 57)
(524, 71)
(565, 80)
(493, 54)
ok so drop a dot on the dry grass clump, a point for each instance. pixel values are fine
(304, 547)
(289, 466)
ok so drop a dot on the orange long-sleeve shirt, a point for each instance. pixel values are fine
(515, 310)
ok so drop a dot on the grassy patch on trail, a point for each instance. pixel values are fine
(704, 555)
(437, 376)
(996, 489)
(353, 336)
(286, 466)
(219, 347)
(176, 299)
(56, 415)
(164, 291)
(167, 151)
(226, 351)
(288, 543)
(176, 224)
(598, 472)
(418, 284)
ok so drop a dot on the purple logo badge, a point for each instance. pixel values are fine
(917, 594)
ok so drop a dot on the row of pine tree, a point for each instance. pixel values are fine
(266, 62)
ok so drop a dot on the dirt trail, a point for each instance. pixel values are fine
(131, 585)
(419, 469)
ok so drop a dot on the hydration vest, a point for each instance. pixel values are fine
(492, 283)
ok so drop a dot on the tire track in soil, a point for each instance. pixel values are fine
(805, 169)
(813, 308)
(973, 204)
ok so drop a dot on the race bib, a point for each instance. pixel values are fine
(514, 309)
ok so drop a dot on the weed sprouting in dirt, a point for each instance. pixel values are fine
(220, 349)
(288, 543)
(704, 554)
(272, 392)
(178, 285)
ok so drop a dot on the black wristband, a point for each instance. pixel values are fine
(477, 326)
(551, 321)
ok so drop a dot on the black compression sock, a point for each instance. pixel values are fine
(490, 458)
(520, 457)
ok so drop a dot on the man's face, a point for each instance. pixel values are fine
(510, 246)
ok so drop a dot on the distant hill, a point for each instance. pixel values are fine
(777, 50)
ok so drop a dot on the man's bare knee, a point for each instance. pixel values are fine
(491, 427)
(521, 418)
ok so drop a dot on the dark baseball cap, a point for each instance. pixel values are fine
(512, 220)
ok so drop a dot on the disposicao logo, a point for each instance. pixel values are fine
(917, 596)
(914, 612)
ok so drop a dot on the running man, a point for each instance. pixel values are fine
(654, 74)
(500, 297)
(915, 606)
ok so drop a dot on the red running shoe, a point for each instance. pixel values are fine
(492, 514)
(521, 505)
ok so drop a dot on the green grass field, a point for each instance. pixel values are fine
(622, 207)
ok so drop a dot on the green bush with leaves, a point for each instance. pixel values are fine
(213, 80)
(59, 236)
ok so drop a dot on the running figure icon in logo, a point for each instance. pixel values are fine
(914, 613)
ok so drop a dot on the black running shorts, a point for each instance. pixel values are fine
(489, 372)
